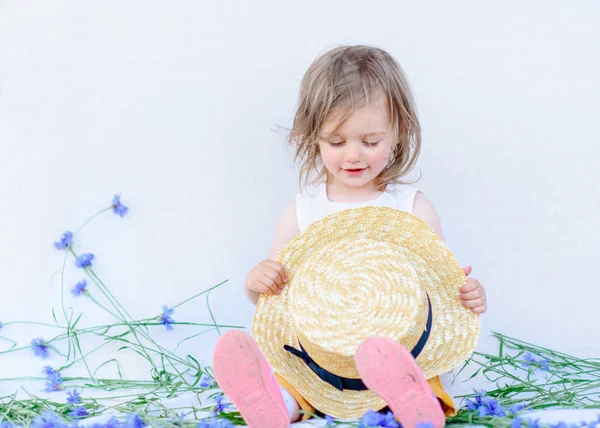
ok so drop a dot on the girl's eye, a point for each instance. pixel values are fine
(368, 143)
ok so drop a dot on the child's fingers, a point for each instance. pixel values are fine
(278, 268)
(469, 286)
(279, 279)
(282, 274)
(470, 304)
(273, 275)
(276, 279)
(479, 309)
(470, 295)
(268, 287)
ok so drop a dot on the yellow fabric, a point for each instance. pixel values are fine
(435, 384)
(446, 401)
(304, 405)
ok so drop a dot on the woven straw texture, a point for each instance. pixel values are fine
(355, 274)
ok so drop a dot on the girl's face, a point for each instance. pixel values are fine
(360, 149)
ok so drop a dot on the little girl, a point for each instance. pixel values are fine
(357, 127)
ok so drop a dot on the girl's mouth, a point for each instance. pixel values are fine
(354, 172)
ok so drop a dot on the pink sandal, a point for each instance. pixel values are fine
(245, 377)
(390, 371)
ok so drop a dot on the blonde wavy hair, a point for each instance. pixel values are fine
(340, 81)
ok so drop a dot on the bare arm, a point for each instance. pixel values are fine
(424, 209)
(286, 229)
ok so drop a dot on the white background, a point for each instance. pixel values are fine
(182, 108)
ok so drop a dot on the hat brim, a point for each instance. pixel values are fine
(455, 330)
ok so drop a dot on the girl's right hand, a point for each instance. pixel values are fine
(267, 277)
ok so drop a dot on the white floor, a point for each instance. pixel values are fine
(546, 416)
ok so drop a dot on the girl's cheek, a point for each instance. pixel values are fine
(328, 158)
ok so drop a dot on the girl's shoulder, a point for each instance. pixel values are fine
(308, 200)
(403, 195)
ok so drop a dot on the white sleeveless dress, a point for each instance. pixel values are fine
(314, 204)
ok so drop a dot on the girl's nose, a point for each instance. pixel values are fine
(352, 152)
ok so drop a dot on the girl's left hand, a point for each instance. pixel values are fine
(472, 294)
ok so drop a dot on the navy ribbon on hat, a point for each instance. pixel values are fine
(345, 383)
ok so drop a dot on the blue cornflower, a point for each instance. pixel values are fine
(54, 380)
(79, 288)
(6, 425)
(221, 405)
(118, 207)
(517, 408)
(485, 405)
(40, 348)
(369, 419)
(65, 240)
(425, 425)
(73, 397)
(373, 419)
(329, 420)
(560, 425)
(1, 325)
(479, 394)
(53, 384)
(483, 411)
(133, 421)
(491, 407)
(84, 260)
(48, 419)
(48, 371)
(531, 359)
(516, 423)
(78, 412)
(206, 381)
(388, 421)
(533, 423)
(165, 317)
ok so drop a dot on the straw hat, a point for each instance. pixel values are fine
(358, 273)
